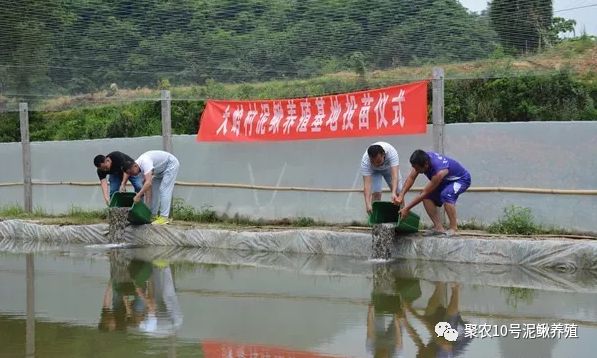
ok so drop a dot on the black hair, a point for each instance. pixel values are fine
(419, 158)
(98, 160)
(127, 165)
(374, 150)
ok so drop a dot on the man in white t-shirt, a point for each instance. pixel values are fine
(380, 161)
(159, 170)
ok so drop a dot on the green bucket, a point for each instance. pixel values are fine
(122, 200)
(387, 212)
(139, 214)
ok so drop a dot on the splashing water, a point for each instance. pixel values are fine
(117, 220)
(381, 241)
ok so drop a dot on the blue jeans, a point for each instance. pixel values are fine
(115, 181)
(379, 175)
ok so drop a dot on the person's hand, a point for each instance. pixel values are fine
(369, 209)
(404, 212)
(137, 198)
(107, 201)
(123, 188)
(397, 199)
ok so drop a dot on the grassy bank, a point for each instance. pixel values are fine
(181, 213)
(74, 216)
(515, 220)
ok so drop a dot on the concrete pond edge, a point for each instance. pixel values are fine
(557, 254)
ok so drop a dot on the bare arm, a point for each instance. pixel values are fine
(394, 187)
(412, 333)
(147, 198)
(410, 180)
(146, 186)
(125, 177)
(147, 298)
(104, 185)
(430, 187)
(107, 302)
(367, 192)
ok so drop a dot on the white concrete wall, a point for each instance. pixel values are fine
(557, 155)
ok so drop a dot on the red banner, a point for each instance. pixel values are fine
(395, 110)
(217, 349)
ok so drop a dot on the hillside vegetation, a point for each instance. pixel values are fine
(557, 85)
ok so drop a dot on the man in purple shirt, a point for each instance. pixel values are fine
(447, 180)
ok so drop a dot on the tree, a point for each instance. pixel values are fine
(559, 25)
(444, 31)
(522, 25)
(78, 46)
(27, 43)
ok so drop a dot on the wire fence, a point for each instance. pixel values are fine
(59, 54)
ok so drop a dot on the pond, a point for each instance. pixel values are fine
(101, 301)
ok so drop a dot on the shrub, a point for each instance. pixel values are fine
(183, 211)
(207, 215)
(516, 295)
(516, 220)
(303, 221)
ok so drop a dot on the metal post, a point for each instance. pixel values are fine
(30, 323)
(438, 109)
(166, 121)
(172, 346)
(26, 154)
(437, 115)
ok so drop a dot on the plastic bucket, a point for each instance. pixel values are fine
(122, 200)
(387, 212)
(139, 214)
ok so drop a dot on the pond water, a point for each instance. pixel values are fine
(94, 301)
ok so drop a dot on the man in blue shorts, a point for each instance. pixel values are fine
(447, 180)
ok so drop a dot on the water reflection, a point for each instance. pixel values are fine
(140, 296)
(242, 303)
(436, 312)
(509, 346)
(30, 324)
(388, 322)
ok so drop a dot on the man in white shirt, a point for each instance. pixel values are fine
(380, 161)
(159, 170)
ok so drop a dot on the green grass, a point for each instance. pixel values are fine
(184, 212)
(517, 295)
(576, 54)
(75, 215)
(17, 211)
(12, 211)
(303, 221)
(559, 84)
(180, 211)
(81, 213)
(516, 220)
